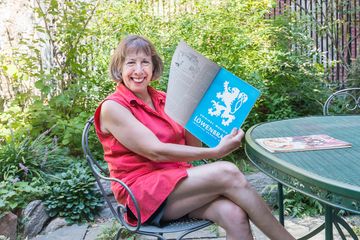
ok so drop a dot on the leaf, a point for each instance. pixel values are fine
(13, 205)
(39, 84)
(81, 205)
(52, 213)
(2, 204)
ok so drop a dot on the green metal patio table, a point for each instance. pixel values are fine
(331, 176)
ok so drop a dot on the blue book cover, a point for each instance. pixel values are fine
(224, 106)
(206, 99)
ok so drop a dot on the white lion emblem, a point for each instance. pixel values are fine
(232, 100)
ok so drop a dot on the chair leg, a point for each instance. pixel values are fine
(159, 237)
(118, 234)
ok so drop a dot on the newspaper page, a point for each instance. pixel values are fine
(190, 76)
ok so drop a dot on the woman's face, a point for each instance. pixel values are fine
(137, 72)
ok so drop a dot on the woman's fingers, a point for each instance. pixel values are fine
(230, 142)
(234, 131)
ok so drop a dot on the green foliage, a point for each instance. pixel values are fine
(15, 194)
(294, 85)
(357, 230)
(26, 165)
(353, 79)
(109, 233)
(297, 204)
(239, 158)
(25, 158)
(73, 195)
(69, 82)
(13, 120)
(276, 57)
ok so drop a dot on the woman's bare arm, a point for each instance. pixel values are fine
(120, 122)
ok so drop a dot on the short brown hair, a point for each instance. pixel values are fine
(137, 43)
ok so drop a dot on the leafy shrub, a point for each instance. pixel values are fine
(13, 120)
(15, 194)
(353, 79)
(26, 166)
(73, 195)
(297, 204)
(293, 83)
(25, 158)
(109, 232)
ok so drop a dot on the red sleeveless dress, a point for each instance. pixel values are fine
(151, 182)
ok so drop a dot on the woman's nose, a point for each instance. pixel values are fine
(138, 68)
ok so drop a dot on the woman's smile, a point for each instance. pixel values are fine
(138, 80)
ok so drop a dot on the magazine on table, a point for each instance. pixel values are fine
(301, 143)
(206, 99)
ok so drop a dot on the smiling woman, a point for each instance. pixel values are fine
(151, 153)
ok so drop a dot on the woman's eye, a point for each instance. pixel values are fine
(130, 63)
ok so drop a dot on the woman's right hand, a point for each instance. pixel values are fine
(230, 142)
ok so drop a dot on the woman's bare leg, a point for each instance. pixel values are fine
(206, 183)
(227, 215)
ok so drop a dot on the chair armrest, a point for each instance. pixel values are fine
(121, 209)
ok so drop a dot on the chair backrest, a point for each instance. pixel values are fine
(85, 144)
(97, 170)
(345, 101)
(101, 173)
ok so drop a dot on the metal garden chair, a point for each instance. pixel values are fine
(345, 101)
(182, 226)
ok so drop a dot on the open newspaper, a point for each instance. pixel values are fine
(205, 98)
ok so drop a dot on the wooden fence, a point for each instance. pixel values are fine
(334, 25)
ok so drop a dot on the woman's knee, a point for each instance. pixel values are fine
(230, 175)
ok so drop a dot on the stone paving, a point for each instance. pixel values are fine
(298, 227)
